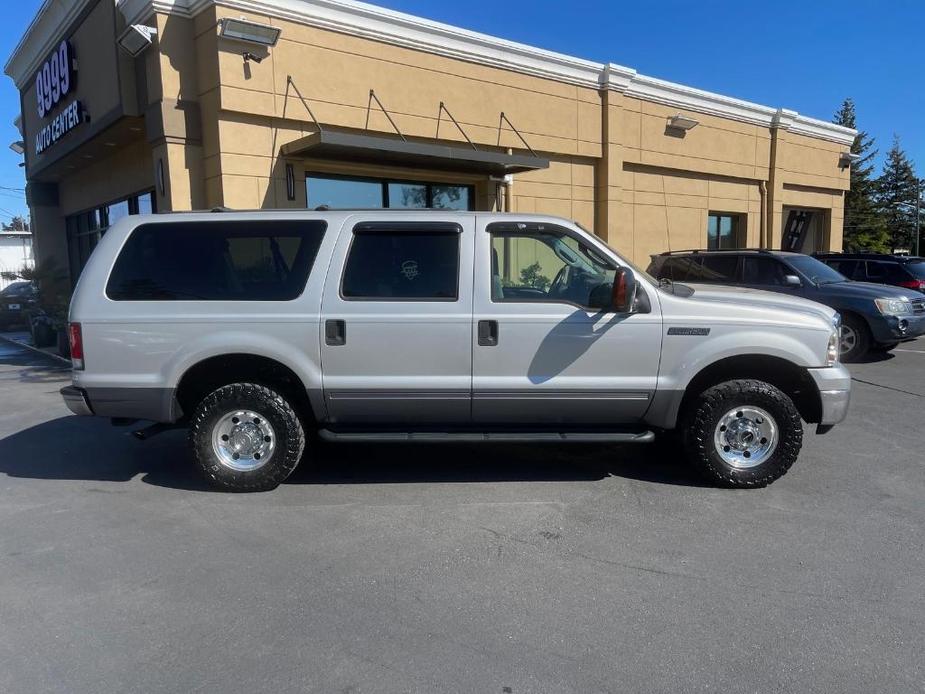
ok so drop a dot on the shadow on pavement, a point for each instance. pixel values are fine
(80, 448)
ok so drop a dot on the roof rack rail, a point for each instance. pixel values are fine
(221, 209)
(719, 250)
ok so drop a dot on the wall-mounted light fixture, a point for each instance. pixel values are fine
(136, 38)
(249, 32)
(846, 159)
(248, 57)
(290, 182)
(18, 146)
(680, 122)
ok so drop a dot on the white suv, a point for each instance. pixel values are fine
(253, 328)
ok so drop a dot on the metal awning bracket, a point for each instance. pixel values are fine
(369, 105)
(291, 83)
(440, 113)
(504, 119)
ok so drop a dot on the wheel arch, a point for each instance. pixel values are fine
(792, 379)
(211, 373)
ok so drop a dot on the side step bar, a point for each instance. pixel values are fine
(497, 437)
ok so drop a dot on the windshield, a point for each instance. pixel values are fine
(815, 270)
(638, 271)
(18, 289)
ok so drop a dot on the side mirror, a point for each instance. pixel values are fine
(625, 288)
(793, 281)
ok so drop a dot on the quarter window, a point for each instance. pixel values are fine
(216, 261)
(403, 262)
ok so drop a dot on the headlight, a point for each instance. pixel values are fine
(831, 352)
(893, 307)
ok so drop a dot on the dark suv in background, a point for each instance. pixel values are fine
(874, 316)
(899, 270)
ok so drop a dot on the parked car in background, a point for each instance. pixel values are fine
(899, 270)
(16, 300)
(874, 316)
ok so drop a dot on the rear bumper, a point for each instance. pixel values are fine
(76, 401)
(834, 384)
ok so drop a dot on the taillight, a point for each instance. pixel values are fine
(76, 341)
(914, 284)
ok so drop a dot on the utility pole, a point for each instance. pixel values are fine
(918, 210)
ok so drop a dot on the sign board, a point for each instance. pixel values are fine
(54, 80)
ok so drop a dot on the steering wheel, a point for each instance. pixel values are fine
(559, 283)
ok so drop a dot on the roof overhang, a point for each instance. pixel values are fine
(386, 150)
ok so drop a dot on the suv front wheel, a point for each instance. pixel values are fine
(743, 433)
(246, 438)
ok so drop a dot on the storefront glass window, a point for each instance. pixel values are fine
(85, 229)
(407, 195)
(338, 192)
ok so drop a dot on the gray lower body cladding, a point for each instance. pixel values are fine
(155, 404)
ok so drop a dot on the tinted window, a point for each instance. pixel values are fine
(403, 262)
(759, 270)
(885, 272)
(216, 261)
(849, 268)
(680, 269)
(719, 268)
(916, 268)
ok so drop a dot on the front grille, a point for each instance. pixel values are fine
(918, 306)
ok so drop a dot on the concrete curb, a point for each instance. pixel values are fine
(55, 357)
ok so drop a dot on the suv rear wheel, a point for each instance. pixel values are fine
(246, 437)
(743, 433)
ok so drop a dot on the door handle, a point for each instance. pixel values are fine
(335, 333)
(488, 333)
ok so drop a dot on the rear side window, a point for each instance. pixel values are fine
(885, 272)
(719, 268)
(763, 270)
(216, 261)
(916, 268)
(680, 269)
(403, 262)
(849, 268)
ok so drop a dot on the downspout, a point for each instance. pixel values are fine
(763, 217)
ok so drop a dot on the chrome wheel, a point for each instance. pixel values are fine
(848, 340)
(243, 440)
(746, 437)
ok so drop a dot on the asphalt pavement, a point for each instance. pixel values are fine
(508, 569)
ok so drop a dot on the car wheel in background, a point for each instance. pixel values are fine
(855, 338)
(743, 433)
(246, 438)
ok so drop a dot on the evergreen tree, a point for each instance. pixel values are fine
(864, 227)
(897, 188)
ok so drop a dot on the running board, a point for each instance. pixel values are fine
(497, 437)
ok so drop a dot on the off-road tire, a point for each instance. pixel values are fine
(702, 419)
(863, 342)
(275, 409)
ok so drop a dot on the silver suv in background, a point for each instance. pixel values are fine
(254, 328)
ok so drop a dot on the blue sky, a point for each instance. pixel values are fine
(806, 55)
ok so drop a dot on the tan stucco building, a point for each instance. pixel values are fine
(202, 119)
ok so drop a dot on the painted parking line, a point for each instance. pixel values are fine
(910, 351)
